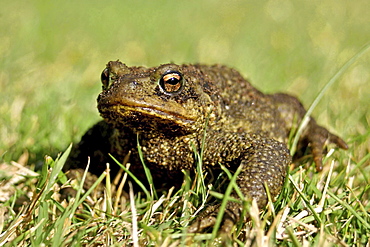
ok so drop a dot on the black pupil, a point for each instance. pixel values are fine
(172, 81)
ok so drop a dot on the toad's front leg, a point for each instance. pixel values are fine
(264, 163)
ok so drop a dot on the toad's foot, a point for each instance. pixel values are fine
(209, 216)
(318, 137)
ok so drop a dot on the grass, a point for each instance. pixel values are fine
(316, 209)
(51, 56)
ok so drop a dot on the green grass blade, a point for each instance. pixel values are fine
(146, 170)
(134, 178)
(344, 204)
(340, 72)
(223, 205)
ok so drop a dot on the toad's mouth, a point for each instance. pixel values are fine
(154, 112)
(139, 111)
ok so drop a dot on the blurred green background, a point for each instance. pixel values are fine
(52, 54)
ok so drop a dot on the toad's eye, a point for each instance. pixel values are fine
(171, 82)
(105, 80)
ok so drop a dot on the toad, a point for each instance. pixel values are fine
(174, 110)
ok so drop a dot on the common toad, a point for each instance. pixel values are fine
(169, 108)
